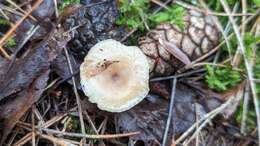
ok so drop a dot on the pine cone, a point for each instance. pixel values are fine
(96, 23)
(198, 37)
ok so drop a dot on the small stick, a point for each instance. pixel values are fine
(90, 136)
(33, 126)
(160, 4)
(17, 7)
(177, 76)
(56, 8)
(57, 141)
(197, 123)
(170, 110)
(5, 16)
(76, 93)
(28, 136)
(90, 122)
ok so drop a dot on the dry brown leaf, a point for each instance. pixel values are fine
(15, 108)
(150, 116)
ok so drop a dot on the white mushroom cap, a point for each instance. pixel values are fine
(115, 76)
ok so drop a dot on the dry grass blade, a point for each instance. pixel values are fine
(249, 67)
(18, 23)
(188, 6)
(245, 109)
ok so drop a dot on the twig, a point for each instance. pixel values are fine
(5, 16)
(33, 126)
(177, 76)
(58, 141)
(128, 34)
(28, 136)
(197, 123)
(92, 125)
(247, 64)
(90, 122)
(90, 136)
(18, 23)
(5, 8)
(76, 93)
(170, 109)
(160, 4)
(56, 8)
(103, 127)
(17, 7)
(102, 124)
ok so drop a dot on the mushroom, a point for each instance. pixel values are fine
(115, 76)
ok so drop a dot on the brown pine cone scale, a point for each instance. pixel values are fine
(198, 37)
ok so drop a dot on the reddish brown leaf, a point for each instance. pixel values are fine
(160, 88)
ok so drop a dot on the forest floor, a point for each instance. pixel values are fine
(204, 72)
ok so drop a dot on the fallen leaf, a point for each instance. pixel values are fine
(212, 99)
(60, 66)
(150, 116)
(37, 60)
(45, 10)
(23, 72)
(23, 84)
(160, 88)
(16, 107)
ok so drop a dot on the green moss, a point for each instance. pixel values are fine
(66, 3)
(4, 22)
(134, 13)
(222, 78)
(173, 15)
(11, 43)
